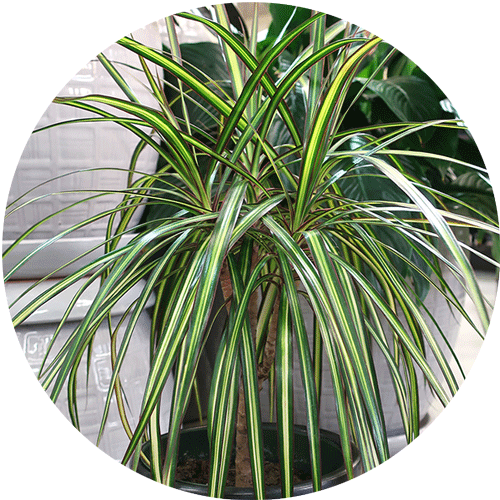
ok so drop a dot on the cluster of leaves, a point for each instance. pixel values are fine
(389, 88)
(270, 188)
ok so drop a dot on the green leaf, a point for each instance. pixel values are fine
(306, 370)
(216, 251)
(442, 229)
(344, 302)
(317, 143)
(139, 307)
(333, 342)
(252, 83)
(409, 98)
(284, 392)
(205, 61)
(184, 163)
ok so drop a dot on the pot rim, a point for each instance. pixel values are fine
(271, 491)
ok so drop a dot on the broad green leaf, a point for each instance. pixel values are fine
(409, 98)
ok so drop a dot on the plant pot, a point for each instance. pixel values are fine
(194, 444)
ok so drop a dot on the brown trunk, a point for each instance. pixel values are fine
(243, 470)
(270, 347)
(225, 284)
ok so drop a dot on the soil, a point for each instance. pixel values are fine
(196, 471)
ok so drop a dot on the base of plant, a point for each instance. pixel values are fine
(194, 448)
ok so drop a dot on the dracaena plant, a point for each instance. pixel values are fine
(268, 221)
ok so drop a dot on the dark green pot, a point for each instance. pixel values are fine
(194, 444)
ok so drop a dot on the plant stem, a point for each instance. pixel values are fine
(243, 470)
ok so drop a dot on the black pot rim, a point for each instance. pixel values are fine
(336, 476)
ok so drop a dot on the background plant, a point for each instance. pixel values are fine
(261, 215)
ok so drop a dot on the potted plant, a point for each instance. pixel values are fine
(268, 220)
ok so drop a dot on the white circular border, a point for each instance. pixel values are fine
(44, 44)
